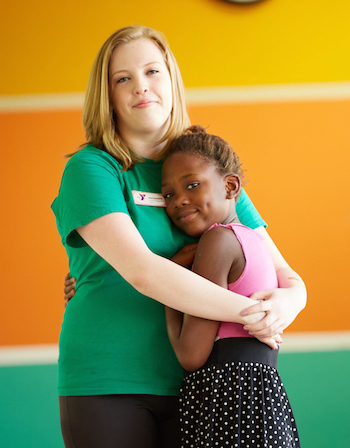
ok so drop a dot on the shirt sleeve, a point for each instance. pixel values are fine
(91, 187)
(247, 213)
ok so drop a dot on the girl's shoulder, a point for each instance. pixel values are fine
(219, 239)
(218, 253)
(240, 230)
(231, 226)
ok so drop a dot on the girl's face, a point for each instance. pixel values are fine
(196, 194)
(140, 89)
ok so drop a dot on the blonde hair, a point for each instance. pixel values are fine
(99, 119)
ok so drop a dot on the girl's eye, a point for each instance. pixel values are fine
(192, 185)
(120, 80)
(168, 195)
(152, 72)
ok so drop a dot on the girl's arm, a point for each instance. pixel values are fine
(281, 305)
(115, 238)
(69, 288)
(220, 259)
(193, 338)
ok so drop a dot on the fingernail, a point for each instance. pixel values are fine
(251, 333)
(244, 313)
(245, 328)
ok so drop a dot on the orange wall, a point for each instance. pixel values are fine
(33, 262)
(296, 153)
(296, 159)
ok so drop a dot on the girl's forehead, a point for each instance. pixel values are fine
(182, 164)
(186, 158)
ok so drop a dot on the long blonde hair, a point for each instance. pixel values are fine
(99, 119)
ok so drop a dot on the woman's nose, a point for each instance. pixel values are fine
(141, 87)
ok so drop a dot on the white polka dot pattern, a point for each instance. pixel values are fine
(237, 405)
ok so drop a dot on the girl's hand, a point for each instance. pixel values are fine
(280, 310)
(185, 256)
(69, 288)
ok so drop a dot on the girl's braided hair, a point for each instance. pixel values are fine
(196, 141)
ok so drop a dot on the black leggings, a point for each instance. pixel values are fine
(120, 421)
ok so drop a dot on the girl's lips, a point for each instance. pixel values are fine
(186, 216)
(144, 104)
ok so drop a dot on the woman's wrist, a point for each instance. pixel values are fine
(248, 319)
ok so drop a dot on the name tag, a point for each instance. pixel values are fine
(151, 199)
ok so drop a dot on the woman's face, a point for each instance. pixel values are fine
(140, 89)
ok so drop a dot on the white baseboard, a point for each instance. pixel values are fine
(292, 343)
(317, 91)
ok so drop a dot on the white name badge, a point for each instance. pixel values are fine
(151, 199)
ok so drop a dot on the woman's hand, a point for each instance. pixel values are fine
(273, 342)
(280, 307)
(185, 256)
(69, 288)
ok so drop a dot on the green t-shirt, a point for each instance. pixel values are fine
(113, 339)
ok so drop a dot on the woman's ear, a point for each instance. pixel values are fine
(232, 185)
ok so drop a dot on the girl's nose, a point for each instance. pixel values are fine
(180, 201)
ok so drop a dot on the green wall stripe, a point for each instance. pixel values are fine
(317, 384)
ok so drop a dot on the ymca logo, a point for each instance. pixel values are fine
(150, 199)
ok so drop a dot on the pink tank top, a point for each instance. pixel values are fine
(259, 273)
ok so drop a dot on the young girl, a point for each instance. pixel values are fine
(232, 394)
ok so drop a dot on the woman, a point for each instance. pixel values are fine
(118, 376)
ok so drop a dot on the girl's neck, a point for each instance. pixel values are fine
(231, 217)
(235, 220)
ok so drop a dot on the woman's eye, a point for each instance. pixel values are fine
(152, 72)
(192, 185)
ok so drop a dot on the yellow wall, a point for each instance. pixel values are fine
(50, 46)
(296, 153)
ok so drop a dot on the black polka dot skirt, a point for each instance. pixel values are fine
(237, 400)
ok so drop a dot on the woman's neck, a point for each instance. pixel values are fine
(144, 147)
(145, 143)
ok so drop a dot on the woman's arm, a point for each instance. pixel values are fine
(115, 238)
(184, 257)
(281, 305)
